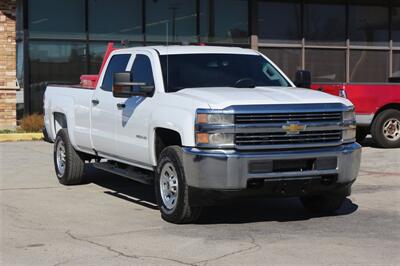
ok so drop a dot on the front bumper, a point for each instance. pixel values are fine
(238, 170)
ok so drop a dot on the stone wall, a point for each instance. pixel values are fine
(7, 65)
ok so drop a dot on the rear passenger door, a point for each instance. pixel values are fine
(104, 108)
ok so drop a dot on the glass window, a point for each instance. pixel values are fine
(97, 51)
(118, 63)
(224, 21)
(142, 71)
(321, 71)
(396, 22)
(369, 66)
(56, 62)
(289, 60)
(279, 21)
(396, 64)
(218, 70)
(369, 22)
(115, 21)
(325, 22)
(179, 15)
(49, 18)
(96, 55)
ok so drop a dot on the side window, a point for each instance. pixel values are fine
(117, 64)
(142, 71)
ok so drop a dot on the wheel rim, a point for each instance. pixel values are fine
(60, 157)
(391, 129)
(169, 186)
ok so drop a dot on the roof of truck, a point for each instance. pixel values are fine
(196, 49)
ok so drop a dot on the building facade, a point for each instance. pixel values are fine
(8, 86)
(337, 40)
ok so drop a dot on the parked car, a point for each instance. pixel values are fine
(205, 124)
(377, 107)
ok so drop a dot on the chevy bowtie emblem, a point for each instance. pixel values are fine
(293, 128)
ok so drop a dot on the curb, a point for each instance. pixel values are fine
(20, 136)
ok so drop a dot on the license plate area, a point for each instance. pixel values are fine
(297, 165)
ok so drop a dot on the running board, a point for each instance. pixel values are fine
(134, 173)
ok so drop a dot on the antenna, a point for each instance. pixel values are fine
(166, 31)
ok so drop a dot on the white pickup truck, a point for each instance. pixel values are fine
(205, 124)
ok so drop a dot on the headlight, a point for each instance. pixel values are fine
(349, 116)
(221, 119)
(349, 119)
(215, 139)
(214, 129)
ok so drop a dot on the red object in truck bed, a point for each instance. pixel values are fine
(90, 81)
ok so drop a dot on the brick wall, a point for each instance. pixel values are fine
(7, 65)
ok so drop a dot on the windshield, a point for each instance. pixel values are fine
(218, 70)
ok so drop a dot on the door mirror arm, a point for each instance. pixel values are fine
(123, 86)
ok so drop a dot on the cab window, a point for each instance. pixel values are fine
(141, 71)
(118, 63)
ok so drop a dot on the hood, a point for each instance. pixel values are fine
(222, 97)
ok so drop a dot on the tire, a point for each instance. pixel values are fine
(70, 169)
(323, 204)
(385, 129)
(171, 189)
(361, 134)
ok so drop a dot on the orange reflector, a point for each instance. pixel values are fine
(202, 118)
(202, 138)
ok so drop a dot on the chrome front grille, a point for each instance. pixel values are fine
(282, 138)
(284, 118)
(301, 127)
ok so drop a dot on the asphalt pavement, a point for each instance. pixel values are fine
(115, 221)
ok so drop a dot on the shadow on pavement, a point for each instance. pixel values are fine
(238, 211)
(369, 142)
(266, 210)
(122, 188)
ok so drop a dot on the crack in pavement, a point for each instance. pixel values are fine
(128, 232)
(120, 253)
(255, 246)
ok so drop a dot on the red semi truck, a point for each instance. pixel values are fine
(377, 107)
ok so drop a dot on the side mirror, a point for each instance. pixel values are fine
(124, 87)
(303, 79)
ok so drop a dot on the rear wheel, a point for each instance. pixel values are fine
(67, 162)
(385, 129)
(323, 203)
(171, 189)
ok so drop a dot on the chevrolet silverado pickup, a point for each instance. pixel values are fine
(205, 125)
(377, 107)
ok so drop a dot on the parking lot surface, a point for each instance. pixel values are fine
(115, 221)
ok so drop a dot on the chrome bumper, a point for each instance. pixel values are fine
(230, 169)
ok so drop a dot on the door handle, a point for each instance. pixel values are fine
(120, 105)
(95, 102)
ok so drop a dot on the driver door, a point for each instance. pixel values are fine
(133, 118)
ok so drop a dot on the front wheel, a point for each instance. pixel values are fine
(171, 189)
(323, 203)
(385, 129)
